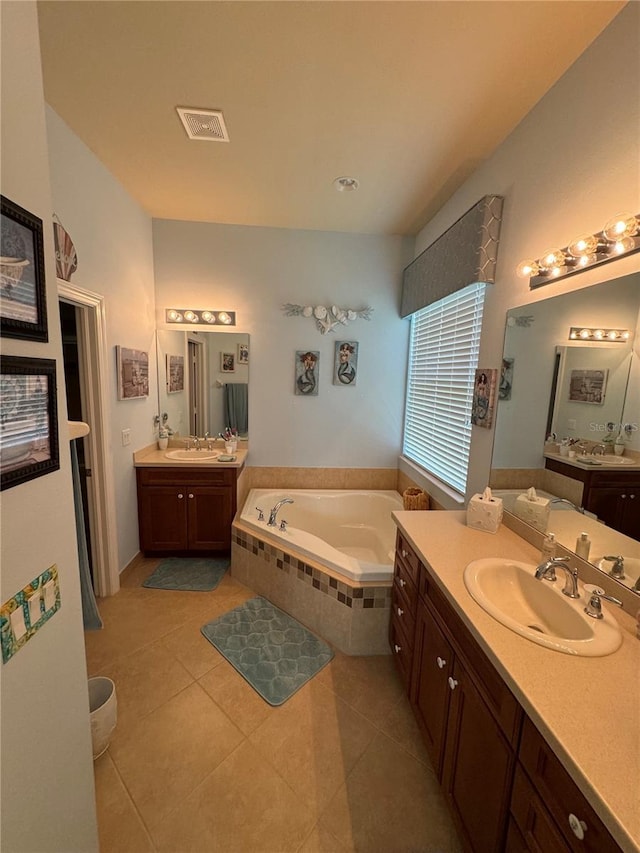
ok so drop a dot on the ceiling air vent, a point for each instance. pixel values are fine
(207, 125)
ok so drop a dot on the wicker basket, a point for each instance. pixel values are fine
(415, 499)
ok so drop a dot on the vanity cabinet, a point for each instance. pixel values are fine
(613, 496)
(185, 511)
(404, 598)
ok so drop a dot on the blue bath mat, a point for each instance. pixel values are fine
(188, 573)
(273, 652)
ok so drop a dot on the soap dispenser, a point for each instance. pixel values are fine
(583, 544)
(548, 550)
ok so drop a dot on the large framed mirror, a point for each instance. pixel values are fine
(203, 381)
(539, 364)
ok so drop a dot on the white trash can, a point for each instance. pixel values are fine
(103, 708)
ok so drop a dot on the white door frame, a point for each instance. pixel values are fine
(93, 328)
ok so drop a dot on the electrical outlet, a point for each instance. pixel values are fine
(126, 437)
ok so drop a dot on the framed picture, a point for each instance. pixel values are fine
(227, 362)
(484, 392)
(243, 353)
(23, 304)
(506, 379)
(345, 364)
(28, 419)
(175, 373)
(307, 366)
(588, 386)
(133, 373)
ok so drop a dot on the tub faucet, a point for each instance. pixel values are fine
(274, 512)
(547, 570)
(565, 501)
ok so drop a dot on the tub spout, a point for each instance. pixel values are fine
(274, 512)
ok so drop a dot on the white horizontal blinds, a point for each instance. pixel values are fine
(443, 356)
(25, 418)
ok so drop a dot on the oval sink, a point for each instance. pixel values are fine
(192, 455)
(631, 567)
(610, 459)
(538, 610)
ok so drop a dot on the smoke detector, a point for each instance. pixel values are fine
(346, 184)
(207, 125)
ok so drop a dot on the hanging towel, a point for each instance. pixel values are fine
(236, 406)
(90, 614)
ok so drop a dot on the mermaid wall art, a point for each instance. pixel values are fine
(345, 368)
(307, 373)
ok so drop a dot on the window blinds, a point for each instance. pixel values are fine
(443, 356)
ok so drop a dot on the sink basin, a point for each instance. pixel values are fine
(538, 610)
(192, 455)
(607, 459)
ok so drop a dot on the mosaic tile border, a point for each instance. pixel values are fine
(356, 597)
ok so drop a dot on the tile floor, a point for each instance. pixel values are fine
(199, 762)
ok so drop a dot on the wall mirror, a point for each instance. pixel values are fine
(203, 381)
(538, 362)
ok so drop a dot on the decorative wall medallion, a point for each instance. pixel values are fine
(326, 319)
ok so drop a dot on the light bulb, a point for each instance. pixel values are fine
(612, 334)
(191, 317)
(586, 260)
(552, 259)
(625, 335)
(625, 244)
(572, 335)
(623, 225)
(585, 245)
(598, 334)
(208, 317)
(585, 333)
(527, 269)
(223, 317)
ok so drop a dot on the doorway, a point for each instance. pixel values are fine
(197, 409)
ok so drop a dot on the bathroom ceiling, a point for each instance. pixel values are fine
(407, 97)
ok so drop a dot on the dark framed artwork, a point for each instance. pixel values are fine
(345, 366)
(588, 386)
(28, 419)
(227, 362)
(23, 303)
(132, 366)
(175, 373)
(484, 393)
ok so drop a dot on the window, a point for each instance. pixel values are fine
(443, 356)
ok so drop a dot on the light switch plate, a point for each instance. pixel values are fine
(23, 614)
(126, 437)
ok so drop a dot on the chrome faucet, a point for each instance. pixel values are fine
(617, 570)
(601, 447)
(274, 512)
(565, 501)
(594, 606)
(547, 570)
(196, 442)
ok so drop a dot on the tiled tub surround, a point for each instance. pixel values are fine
(352, 616)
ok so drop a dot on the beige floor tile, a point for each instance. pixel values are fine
(370, 685)
(163, 757)
(145, 680)
(401, 727)
(314, 741)
(244, 806)
(236, 697)
(120, 828)
(390, 803)
(321, 840)
(191, 648)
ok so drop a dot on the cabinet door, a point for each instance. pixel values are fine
(478, 766)
(209, 513)
(433, 660)
(162, 513)
(630, 512)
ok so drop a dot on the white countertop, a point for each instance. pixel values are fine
(593, 463)
(588, 709)
(151, 457)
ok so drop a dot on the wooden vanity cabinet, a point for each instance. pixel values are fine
(185, 511)
(404, 598)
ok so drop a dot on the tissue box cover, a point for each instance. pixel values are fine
(484, 514)
(536, 512)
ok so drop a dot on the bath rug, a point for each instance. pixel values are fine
(188, 573)
(270, 649)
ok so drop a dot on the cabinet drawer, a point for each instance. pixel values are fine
(537, 829)
(494, 691)
(402, 614)
(561, 795)
(177, 476)
(403, 586)
(401, 649)
(408, 556)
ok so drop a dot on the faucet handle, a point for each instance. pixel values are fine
(260, 514)
(617, 569)
(594, 606)
(283, 524)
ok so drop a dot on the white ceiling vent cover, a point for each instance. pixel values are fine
(207, 125)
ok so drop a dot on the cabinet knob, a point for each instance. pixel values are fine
(397, 649)
(402, 582)
(632, 497)
(405, 553)
(623, 497)
(578, 827)
(191, 496)
(452, 683)
(399, 611)
(180, 496)
(441, 662)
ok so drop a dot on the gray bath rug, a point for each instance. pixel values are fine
(273, 652)
(188, 573)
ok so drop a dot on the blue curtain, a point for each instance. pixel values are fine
(90, 614)
(236, 406)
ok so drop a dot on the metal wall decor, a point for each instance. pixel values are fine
(327, 319)
(23, 303)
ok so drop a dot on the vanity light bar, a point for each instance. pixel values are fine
(580, 333)
(193, 316)
(619, 237)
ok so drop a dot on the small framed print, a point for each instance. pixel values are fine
(227, 362)
(484, 393)
(345, 365)
(175, 373)
(23, 304)
(588, 386)
(133, 373)
(28, 419)
(243, 353)
(307, 366)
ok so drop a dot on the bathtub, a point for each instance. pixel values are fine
(351, 533)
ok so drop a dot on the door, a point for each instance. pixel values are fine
(197, 408)
(162, 516)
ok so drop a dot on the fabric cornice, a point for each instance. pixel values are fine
(465, 254)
